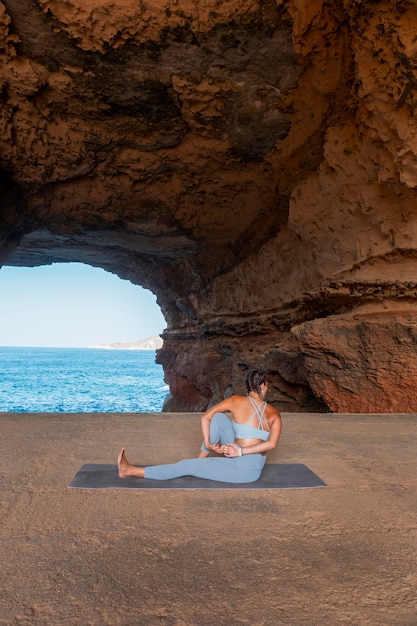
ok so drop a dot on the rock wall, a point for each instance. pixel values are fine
(253, 163)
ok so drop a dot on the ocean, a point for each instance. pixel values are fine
(73, 380)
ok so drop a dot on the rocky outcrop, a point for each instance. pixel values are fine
(340, 353)
(253, 163)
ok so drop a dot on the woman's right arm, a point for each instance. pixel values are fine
(225, 405)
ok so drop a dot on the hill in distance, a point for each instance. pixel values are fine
(151, 343)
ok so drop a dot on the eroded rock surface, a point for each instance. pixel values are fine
(252, 163)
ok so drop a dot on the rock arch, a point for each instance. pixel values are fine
(251, 163)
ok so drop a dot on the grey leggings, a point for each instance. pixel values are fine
(241, 469)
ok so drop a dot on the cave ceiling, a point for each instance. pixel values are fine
(140, 152)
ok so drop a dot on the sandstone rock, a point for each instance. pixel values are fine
(252, 163)
(362, 362)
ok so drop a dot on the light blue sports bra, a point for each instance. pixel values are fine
(245, 431)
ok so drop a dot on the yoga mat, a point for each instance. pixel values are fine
(274, 476)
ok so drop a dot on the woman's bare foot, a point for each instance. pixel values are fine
(127, 469)
(123, 464)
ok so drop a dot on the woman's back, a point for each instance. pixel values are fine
(252, 417)
(242, 408)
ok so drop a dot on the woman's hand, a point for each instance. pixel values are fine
(232, 450)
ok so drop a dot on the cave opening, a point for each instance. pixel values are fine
(77, 339)
(74, 305)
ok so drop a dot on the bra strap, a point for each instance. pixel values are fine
(259, 412)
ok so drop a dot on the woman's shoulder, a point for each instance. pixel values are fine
(230, 403)
(272, 413)
(233, 401)
(236, 397)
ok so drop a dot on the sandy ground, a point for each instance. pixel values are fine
(344, 554)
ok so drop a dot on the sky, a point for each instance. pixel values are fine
(72, 305)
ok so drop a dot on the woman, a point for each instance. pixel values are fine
(242, 443)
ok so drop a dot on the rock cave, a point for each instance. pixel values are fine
(251, 162)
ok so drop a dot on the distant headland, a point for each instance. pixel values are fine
(151, 343)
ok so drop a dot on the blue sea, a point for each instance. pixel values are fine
(72, 380)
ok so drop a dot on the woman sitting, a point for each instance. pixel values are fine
(240, 444)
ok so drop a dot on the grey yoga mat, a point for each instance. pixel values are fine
(274, 476)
